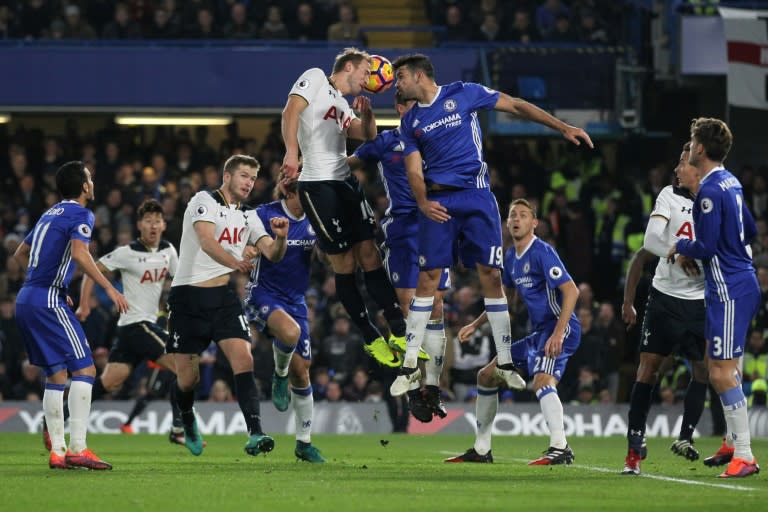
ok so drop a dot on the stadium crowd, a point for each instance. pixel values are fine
(595, 219)
(526, 21)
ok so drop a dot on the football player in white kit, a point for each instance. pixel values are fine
(318, 120)
(674, 317)
(144, 265)
(204, 308)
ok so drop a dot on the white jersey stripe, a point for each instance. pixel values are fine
(66, 259)
(71, 334)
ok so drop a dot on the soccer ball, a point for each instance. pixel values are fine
(382, 75)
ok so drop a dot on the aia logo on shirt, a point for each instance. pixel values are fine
(233, 237)
(154, 275)
(685, 231)
(341, 118)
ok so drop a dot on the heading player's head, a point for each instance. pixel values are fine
(403, 104)
(414, 73)
(522, 219)
(73, 181)
(711, 139)
(150, 222)
(687, 174)
(351, 71)
(240, 173)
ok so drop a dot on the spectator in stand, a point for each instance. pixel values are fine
(30, 387)
(455, 27)
(239, 26)
(591, 30)
(35, 19)
(546, 16)
(347, 28)
(161, 26)
(204, 25)
(489, 30)
(522, 30)
(273, 27)
(75, 27)
(122, 26)
(562, 31)
(308, 26)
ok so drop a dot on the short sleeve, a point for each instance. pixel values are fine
(82, 226)
(552, 267)
(256, 229)
(309, 84)
(116, 259)
(662, 207)
(407, 135)
(480, 96)
(202, 207)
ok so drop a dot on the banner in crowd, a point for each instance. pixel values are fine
(746, 34)
(358, 418)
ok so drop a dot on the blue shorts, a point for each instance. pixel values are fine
(529, 352)
(53, 337)
(473, 234)
(727, 324)
(401, 251)
(260, 304)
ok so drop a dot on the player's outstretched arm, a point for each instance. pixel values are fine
(635, 270)
(530, 112)
(212, 248)
(83, 258)
(289, 126)
(274, 248)
(86, 290)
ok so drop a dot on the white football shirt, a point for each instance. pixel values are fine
(234, 228)
(322, 128)
(143, 272)
(675, 205)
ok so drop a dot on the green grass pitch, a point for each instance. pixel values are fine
(369, 472)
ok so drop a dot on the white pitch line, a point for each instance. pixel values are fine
(732, 487)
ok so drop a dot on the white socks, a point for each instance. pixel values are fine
(79, 410)
(282, 355)
(552, 409)
(303, 406)
(53, 407)
(434, 345)
(485, 412)
(416, 324)
(498, 316)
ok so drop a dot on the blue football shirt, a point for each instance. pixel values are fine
(287, 279)
(447, 133)
(537, 275)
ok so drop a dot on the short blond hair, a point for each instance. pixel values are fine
(525, 203)
(353, 55)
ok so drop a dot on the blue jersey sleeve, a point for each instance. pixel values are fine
(750, 228)
(706, 225)
(407, 135)
(369, 151)
(82, 226)
(263, 213)
(480, 96)
(552, 268)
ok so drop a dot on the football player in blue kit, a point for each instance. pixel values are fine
(724, 227)
(275, 303)
(53, 337)
(401, 259)
(533, 268)
(459, 217)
